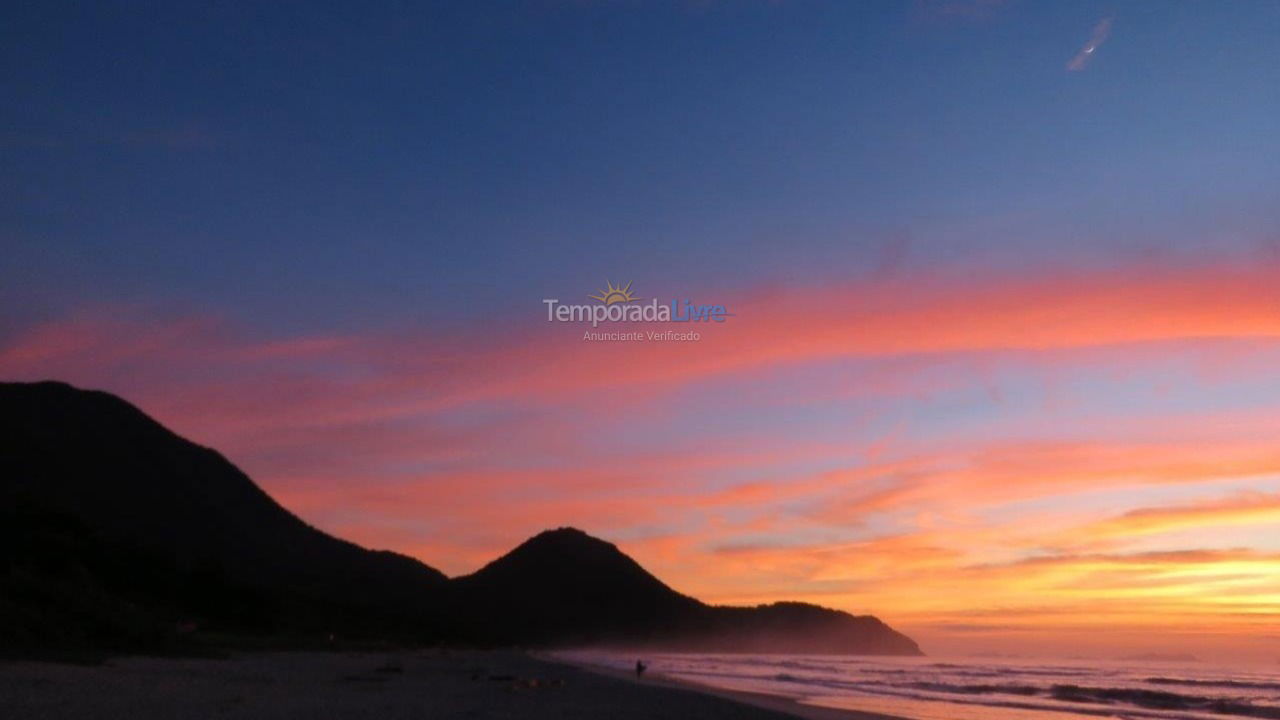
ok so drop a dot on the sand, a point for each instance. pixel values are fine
(786, 706)
(385, 685)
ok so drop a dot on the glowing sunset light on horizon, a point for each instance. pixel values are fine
(1112, 472)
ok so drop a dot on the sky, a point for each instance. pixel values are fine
(1004, 281)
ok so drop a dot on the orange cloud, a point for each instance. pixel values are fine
(1244, 509)
(771, 329)
(456, 446)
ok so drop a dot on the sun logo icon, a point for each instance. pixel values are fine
(611, 294)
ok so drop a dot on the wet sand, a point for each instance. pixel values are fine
(384, 685)
(788, 707)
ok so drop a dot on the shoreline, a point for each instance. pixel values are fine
(372, 685)
(763, 701)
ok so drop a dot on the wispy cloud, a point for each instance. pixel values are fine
(833, 443)
(1100, 33)
(1250, 508)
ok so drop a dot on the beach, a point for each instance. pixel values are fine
(1146, 687)
(384, 685)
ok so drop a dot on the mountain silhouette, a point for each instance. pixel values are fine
(566, 586)
(115, 526)
(118, 534)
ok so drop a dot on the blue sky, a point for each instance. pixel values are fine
(409, 163)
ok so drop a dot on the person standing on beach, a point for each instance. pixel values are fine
(640, 668)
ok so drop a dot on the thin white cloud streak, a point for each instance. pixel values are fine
(1101, 32)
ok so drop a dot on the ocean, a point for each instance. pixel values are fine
(980, 688)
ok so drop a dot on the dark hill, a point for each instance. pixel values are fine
(566, 587)
(109, 519)
(793, 627)
(116, 534)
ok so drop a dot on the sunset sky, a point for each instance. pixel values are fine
(1004, 361)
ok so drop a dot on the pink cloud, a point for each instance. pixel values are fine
(455, 446)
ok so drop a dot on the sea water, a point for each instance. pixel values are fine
(980, 688)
